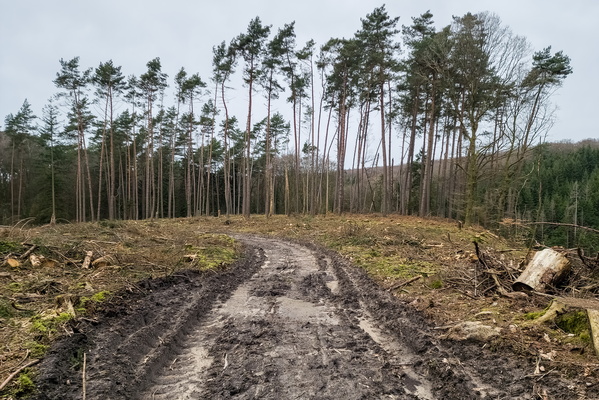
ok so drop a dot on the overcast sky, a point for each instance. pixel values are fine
(36, 34)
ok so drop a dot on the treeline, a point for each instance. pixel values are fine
(408, 119)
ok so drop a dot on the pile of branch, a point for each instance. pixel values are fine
(490, 275)
(568, 277)
(583, 277)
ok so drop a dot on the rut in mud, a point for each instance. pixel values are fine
(288, 322)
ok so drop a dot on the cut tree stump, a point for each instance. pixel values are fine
(546, 268)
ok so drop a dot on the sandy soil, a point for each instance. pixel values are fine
(288, 321)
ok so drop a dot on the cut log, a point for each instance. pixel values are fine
(41, 261)
(546, 268)
(88, 259)
(103, 261)
(594, 322)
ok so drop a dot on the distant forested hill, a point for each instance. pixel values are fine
(562, 186)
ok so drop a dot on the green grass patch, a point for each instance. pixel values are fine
(7, 246)
(111, 224)
(49, 325)
(85, 303)
(212, 251)
(534, 315)
(436, 284)
(24, 384)
(36, 349)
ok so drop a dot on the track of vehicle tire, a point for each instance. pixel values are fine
(289, 321)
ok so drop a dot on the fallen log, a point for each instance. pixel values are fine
(546, 269)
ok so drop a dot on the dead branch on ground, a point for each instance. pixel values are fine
(17, 372)
(402, 284)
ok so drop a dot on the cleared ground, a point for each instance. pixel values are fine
(289, 321)
(159, 313)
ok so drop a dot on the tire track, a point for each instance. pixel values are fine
(284, 334)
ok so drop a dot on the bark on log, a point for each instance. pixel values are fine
(546, 268)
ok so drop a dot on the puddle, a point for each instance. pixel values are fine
(333, 286)
(242, 304)
(378, 336)
(304, 311)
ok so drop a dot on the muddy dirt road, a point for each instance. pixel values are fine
(288, 322)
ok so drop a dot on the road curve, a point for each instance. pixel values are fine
(289, 321)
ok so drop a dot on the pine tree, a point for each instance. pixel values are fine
(110, 83)
(377, 39)
(474, 86)
(151, 85)
(417, 36)
(250, 46)
(272, 64)
(48, 135)
(223, 66)
(75, 83)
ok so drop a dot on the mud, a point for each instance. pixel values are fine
(289, 321)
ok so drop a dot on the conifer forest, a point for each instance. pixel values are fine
(406, 119)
